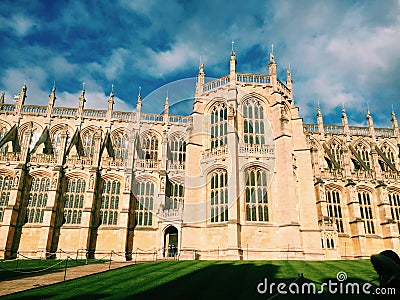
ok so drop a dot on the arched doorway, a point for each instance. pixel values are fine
(171, 242)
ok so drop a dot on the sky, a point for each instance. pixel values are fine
(339, 52)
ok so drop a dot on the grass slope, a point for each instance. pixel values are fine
(202, 280)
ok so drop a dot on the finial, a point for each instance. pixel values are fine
(272, 48)
(289, 65)
(140, 91)
(112, 88)
(54, 84)
(233, 43)
(83, 86)
(368, 113)
(392, 109)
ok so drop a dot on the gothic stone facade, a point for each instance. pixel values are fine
(241, 178)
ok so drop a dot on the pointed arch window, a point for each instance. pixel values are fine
(219, 196)
(363, 153)
(335, 209)
(121, 145)
(144, 203)
(387, 150)
(175, 194)
(150, 147)
(73, 201)
(37, 201)
(177, 148)
(254, 124)
(364, 199)
(3, 132)
(88, 143)
(256, 195)
(394, 201)
(109, 205)
(219, 125)
(6, 183)
(336, 150)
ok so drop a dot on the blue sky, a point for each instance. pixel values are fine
(340, 52)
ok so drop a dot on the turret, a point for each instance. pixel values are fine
(82, 101)
(395, 125)
(20, 99)
(289, 81)
(232, 64)
(166, 106)
(272, 67)
(370, 122)
(345, 121)
(320, 121)
(52, 101)
(110, 103)
(138, 105)
(200, 80)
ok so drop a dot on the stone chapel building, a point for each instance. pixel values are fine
(242, 177)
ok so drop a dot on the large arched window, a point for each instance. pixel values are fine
(387, 150)
(256, 195)
(3, 132)
(6, 183)
(175, 195)
(73, 201)
(394, 201)
(144, 203)
(38, 196)
(88, 143)
(335, 209)
(177, 147)
(363, 153)
(364, 199)
(109, 205)
(219, 125)
(121, 145)
(254, 126)
(336, 150)
(150, 147)
(219, 196)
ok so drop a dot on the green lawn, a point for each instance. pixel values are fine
(194, 280)
(13, 269)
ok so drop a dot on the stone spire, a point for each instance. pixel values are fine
(200, 80)
(52, 100)
(289, 81)
(345, 121)
(370, 122)
(232, 63)
(320, 120)
(20, 99)
(139, 105)
(166, 105)
(395, 125)
(272, 66)
(82, 101)
(110, 103)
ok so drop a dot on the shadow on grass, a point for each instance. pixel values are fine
(238, 281)
(188, 280)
